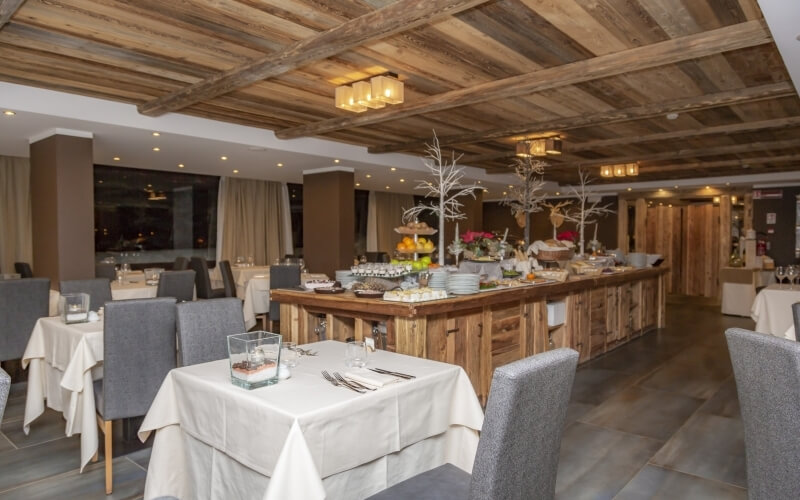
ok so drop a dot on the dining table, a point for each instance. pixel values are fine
(256, 295)
(62, 361)
(772, 310)
(132, 286)
(242, 274)
(304, 438)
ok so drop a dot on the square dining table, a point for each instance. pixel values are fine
(772, 310)
(304, 438)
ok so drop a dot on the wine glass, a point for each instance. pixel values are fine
(791, 273)
(780, 273)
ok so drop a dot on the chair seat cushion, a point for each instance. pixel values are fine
(445, 482)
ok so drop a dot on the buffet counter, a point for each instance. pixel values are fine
(482, 331)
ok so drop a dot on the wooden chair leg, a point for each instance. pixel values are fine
(96, 455)
(109, 458)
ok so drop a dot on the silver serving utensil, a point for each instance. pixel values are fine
(343, 380)
(396, 374)
(339, 384)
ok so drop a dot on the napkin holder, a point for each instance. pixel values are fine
(254, 358)
(74, 307)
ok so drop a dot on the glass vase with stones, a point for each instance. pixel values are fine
(74, 307)
(254, 358)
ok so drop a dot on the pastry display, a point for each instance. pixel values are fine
(416, 228)
(414, 295)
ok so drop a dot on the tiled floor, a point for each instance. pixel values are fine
(656, 418)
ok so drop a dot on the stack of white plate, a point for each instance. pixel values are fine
(345, 277)
(463, 283)
(438, 279)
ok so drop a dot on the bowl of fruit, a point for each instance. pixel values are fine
(408, 246)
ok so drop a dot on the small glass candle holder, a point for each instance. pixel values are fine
(254, 358)
(151, 275)
(74, 307)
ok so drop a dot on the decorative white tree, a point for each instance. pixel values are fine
(583, 214)
(446, 186)
(526, 198)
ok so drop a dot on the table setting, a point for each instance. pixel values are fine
(772, 309)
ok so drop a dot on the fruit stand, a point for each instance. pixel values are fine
(414, 246)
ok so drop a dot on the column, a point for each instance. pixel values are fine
(328, 219)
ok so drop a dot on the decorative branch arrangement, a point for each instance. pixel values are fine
(446, 186)
(526, 198)
(557, 215)
(583, 214)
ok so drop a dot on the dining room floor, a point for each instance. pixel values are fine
(656, 418)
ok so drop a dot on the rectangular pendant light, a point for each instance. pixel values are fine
(387, 89)
(553, 146)
(606, 171)
(362, 92)
(632, 169)
(538, 147)
(523, 149)
(619, 170)
(345, 99)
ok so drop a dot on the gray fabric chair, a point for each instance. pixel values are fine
(281, 276)
(517, 455)
(767, 372)
(229, 285)
(99, 290)
(202, 281)
(796, 315)
(203, 328)
(105, 270)
(138, 352)
(22, 302)
(23, 269)
(178, 284)
(5, 388)
(181, 264)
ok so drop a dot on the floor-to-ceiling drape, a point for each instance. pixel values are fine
(252, 215)
(16, 242)
(385, 212)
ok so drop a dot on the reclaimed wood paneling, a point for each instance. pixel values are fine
(701, 250)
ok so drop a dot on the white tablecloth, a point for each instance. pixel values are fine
(304, 438)
(241, 276)
(256, 295)
(739, 288)
(132, 288)
(772, 310)
(63, 360)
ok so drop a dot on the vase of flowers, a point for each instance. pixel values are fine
(479, 244)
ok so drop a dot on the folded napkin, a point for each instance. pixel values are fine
(370, 378)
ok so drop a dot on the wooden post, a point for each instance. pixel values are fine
(640, 231)
(724, 235)
(622, 226)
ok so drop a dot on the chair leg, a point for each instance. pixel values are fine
(96, 455)
(109, 458)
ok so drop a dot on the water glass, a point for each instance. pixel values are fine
(791, 273)
(780, 272)
(355, 355)
(289, 354)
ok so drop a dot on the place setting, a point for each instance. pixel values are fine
(360, 378)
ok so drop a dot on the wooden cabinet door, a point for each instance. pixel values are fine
(613, 328)
(649, 304)
(506, 326)
(625, 319)
(578, 324)
(598, 311)
(457, 338)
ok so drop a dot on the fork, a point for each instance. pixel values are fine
(338, 384)
(343, 380)
(306, 352)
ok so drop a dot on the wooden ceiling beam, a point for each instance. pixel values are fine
(392, 19)
(7, 9)
(735, 128)
(727, 98)
(655, 169)
(738, 36)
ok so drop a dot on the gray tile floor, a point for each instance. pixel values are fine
(656, 418)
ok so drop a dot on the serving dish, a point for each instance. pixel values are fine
(330, 290)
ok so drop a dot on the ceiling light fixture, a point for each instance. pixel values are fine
(8, 112)
(358, 184)
(223, 158)
(376, 93)
(235, 171)
(181, 165)
(393, 169)
(335, 161)
(153, 196)
(672, 116)
(156, 134)
(116, 158)
(368, 176)
(156, 149)
(402, 180)
(279, 165)
(620, 170)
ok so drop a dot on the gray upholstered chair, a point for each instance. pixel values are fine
(202, 281)
(5, 388)
(99, 290)
(203, 328)
(22, 302)
(517, 455)
(23, 269)
(105, 270)
(229, 284)
(138, 352)
(796, 316)
(281, 276)
(180, 264)
(767, 372)
(178, 284)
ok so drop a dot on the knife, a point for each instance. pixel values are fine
(396, 374)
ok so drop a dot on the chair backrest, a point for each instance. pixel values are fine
(282, 276)
(517, 456)
(227, 278)
(178, 284)
(138, 352)
(767, 372)
(99, 290)
(5, 388)
(796, 316)
(22, 302)
(203, 328)
(105, 270)
(201, 279)
(23, 269)
(181, 264)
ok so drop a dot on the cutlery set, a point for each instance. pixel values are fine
(339, 381)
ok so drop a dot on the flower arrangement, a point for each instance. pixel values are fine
(571, 236)
(479, 244)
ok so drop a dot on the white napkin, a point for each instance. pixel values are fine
(371, 378)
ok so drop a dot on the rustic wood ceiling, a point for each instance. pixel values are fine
(483, 74)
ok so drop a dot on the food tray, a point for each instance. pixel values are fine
(368, 294)
(559, 276)
(329, 290)
(407, 230)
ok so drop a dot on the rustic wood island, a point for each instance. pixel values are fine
(483, 331)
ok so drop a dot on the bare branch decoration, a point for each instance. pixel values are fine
(526, 198)
(583, 214)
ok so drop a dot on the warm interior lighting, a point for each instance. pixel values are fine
(362, 92)
(632, 169)
(156, 134)
(235, 171)
(607, 171)
(374, 93)
(387, 89)
(223, 158)
(279, 165)
(345, 99)
(153, 196)
(116, 158)
(538, 147)
(8, 112)
(619, 170)
(156, 149)
(523, 149)
(553, 146)
(181, 165)
(716, 199)
(734, 199)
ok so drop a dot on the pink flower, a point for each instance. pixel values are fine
(568, 236)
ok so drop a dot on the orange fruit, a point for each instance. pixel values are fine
(401, 246)
(530, 276)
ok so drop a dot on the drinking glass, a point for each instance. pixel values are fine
(791, 273)
(250, 261)
(355, 354)
(780, 272)
(289, 355)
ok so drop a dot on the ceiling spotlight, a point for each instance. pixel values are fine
(368, 176)
(660, 190)
(156, 149)
(708, 187)
(485, 190)
(630, 189)
(387, 187)
(676, 186)
(402, 180)
(393, 169)
(510, 186)
(279, 165)
(505, 193)
(557, 193)
(358, 184)
(156, 134)
(336, 161)
(223, 158)
(235, 171)
(100, 181)
(8, 112)
(181, 165)
(116, 158)
(672, 116)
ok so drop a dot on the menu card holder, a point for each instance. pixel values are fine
(254, 358)
(74, 307)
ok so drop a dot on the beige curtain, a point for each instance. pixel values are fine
(252, 220)
(16, 239)
(385, 214)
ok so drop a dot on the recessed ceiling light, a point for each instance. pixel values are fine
(116, 158)
(387, 187)
(672, 116)
(393, 169)
(676, 186)
(670, 205)
(630, 189)
(156, 149)
(223, 158)
(402, 180)
(557, 193)
(510, 186)
(235, 171)
(156, 134)
(358, 184)
(181, 165)
(504, 193)
(8, 112)
(660, 204)
(149, 185)
(479, 182)
(708, 187)
(336, 161)
(368, 176)
(100, 181)
(279, 165)
(660, 190)
(485, 190)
